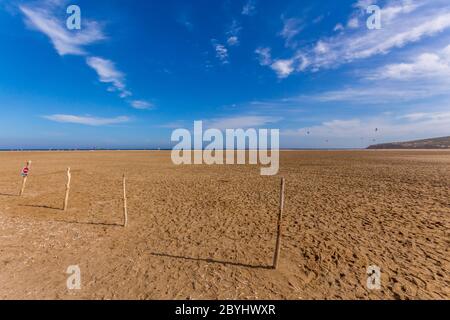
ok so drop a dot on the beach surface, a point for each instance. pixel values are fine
(209, 232)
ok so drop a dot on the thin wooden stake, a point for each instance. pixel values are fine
(125, 210)
(66, 199)
(24, 180)
(279, 232)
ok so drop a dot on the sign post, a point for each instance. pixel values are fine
(66, 199)
(279, 230)
(25, 172)
(125, 210)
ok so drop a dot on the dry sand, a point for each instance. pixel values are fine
(208, 232)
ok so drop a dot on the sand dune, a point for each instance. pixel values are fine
(208, 232)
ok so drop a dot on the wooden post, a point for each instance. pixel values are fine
(279, 231)
(24, 180)
(125, 210)
(66, 199)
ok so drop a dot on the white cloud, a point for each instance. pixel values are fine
(249, 8)
(108, 73)
(381, 93)
(43, 18)
(250, 121)
(221, 51)
(125, 93)
(384, 127)
(363, 4)
(234, 29)
(233, 33)
(370, 94)
(404, 27)
(432, 66)
(406, 6)
(291, 28)
(339, 27)
(86, 120)
(233, 41)
(174, 124)
(427, 116)
(64, 41)
(425, 75)
(353, 23)
(402, 24)
(302, 61)
(141, 104)
(264, 56)
(283, 68)
(321, 48)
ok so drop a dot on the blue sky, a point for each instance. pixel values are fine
(139, 69)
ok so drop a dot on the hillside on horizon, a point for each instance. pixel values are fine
(433, 143)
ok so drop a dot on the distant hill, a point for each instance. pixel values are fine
(435, 143)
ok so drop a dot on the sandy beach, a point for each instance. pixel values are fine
(208, 232)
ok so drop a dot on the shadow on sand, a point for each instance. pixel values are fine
(91, 223)
(73, 222)
(40, 206)
(9, 195)
(213, 261)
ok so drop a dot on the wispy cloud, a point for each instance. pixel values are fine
(86, 120)
(363, 4)
(234, 122)
(338, 27)
(185, 21)
(402, 24)
(283, 67)
(382, 127)
(65, 42)
(246, 121)
(174, 124)
(367, 43)
(380, 93)
(141, 104)
(233, 41)
(353, 23)
(291, 28)
(425, 75)
(264, 56)
(107, 72)
(233, 33)
(249, 8)
(221, 51)
(41, 17)
(429, 65)
(427, 116)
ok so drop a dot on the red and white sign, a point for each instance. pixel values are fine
(25, 171)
